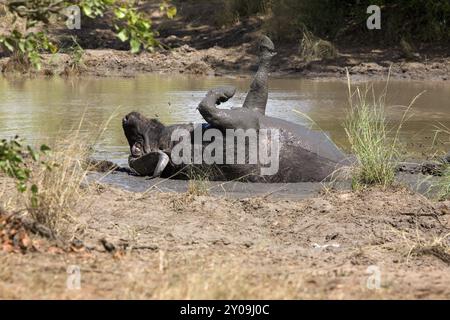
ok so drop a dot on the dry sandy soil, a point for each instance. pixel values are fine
(175, 245)
(193, 44)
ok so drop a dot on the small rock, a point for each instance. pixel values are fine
(320, 247)
(331, 236)
(248, 244)
(77, 243)
(185, 49)
(109, 247)
(171, 38)
(222, 241)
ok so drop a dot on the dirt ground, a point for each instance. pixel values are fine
(165, 245)
(194, 44)
(175, 245)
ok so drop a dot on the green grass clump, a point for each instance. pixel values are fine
(444, 185)
(372, 139)
(442, 134)
(367, 133)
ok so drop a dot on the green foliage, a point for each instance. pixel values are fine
(133, 27)
(12, 162)
(95, 8)
(169, 10)
(136, 29)
(76, 53)
(27, 47)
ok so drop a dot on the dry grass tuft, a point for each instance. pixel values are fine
(439, 247)
(180, 202)
(313, 48)
(62, 184)
(198, 181)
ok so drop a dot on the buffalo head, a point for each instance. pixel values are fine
(142, 133)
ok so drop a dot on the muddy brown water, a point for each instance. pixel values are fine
(45, 108)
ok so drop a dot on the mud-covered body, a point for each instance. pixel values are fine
(303, 154)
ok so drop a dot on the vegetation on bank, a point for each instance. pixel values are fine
(25, 43)
(374, 142)
(17, 160)
(49, 181)
(61, 188)
(367, 132)
(443, 185)
(37, 26)
(415, 20)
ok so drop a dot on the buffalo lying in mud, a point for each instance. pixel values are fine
(238, 143)
(234, 144)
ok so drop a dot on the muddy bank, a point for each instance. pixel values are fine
(417, 182)
(162, 245)
(238, 61)
(418, 176)
(229, 189)
(193, 44)
(109, 62)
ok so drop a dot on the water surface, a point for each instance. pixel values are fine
(45, 108)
